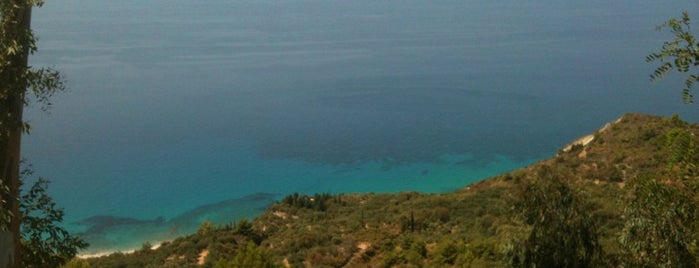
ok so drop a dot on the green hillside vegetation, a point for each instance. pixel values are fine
(624, 196)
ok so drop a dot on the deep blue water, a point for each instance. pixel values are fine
(209, 110)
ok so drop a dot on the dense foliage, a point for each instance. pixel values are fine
(562, 234)
(586, 207)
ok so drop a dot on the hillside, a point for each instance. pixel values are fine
(478, 225)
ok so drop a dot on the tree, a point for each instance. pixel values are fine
(563, 232)
(660, 228)
(681, 54)
(249, 255)
(205, 228)
(17, 42)
(660, 223)
(44, 243)
(661, 215)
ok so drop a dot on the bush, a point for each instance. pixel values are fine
(249, 256)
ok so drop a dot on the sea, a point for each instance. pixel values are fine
(182, 111)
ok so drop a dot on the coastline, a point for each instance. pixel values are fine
(110, 252)
(451, 173)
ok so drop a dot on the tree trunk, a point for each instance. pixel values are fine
(10, 173)
(16, 23)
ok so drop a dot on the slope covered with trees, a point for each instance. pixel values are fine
(588, 206)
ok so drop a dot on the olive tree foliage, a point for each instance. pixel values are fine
(563, 233)
(681, 54)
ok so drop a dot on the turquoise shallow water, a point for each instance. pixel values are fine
(152, 203)
(184, 201)
(182, 111)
